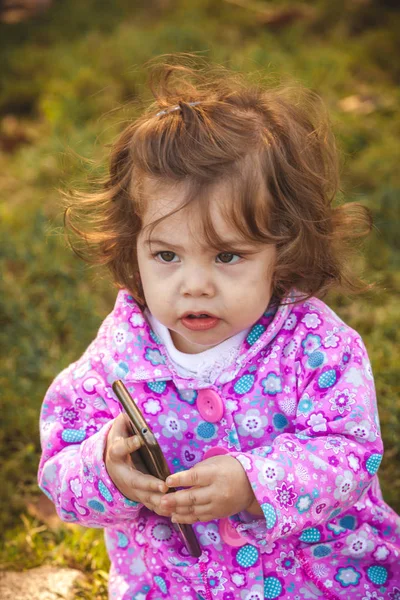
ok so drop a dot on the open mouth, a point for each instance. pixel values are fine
(199, 321)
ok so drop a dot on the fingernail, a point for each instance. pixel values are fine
(161, 487)
(168, 481)
(173, 519)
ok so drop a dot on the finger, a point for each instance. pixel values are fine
(121, 447)
(152, 501)
(186, 498)
(122, 426)
(198, 476)
(193, 510)
(192, 518)
(142, 482)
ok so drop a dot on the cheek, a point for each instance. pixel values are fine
(157, 288)
(253, 293)
(258, 278)
(150, 282)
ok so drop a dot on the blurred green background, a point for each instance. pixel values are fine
(69, 75)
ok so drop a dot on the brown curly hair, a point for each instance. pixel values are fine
(272, 144)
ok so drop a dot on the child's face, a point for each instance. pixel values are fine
(180, 274)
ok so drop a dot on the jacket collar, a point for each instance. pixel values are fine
(150, 363)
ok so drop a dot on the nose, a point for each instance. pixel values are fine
(197, 282)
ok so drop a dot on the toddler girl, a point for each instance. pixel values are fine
(216, 221)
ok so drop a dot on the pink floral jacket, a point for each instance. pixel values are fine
(299, 413)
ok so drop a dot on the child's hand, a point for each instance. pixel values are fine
(131, 479)
(219, 487)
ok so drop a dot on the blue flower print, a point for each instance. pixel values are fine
(162, 584)
(69, 516)
(311, 320)
(244, 384)
(273, 587)
(327, 379)
(216, 581)
(287, 563)
(372, 463)
(155, 337)
(96, 505)
(115, 370)
(304, 503)
(377, 574)
(121, 336)
(206, 431)
(209, 534)
(158, 387)
(137, 567)
(232, 438)
(136, 319)
(347, 576)
(177, 464)
(154, 356)
(256, 331)
(269, 514)
(311, 343)
(172, 425)
(262, 451)
(280, 421)
(188, 396)
(358, 544)
(142, 593)
(269, 473)
(247, 556)
(49, 472)
(252, 423)
(290, 322)
(305, 405)
(272, 384)
(256, 592)
(342, 401)
(70, 415)
(334, 527)
(73, 436)
(316, 359)
(311, 535)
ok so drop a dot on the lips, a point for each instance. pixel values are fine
(199, 321)
(193, 315)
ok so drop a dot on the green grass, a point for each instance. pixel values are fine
(68, 78)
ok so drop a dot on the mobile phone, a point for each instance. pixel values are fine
(153, 458)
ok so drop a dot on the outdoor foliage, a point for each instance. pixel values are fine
(69, 76)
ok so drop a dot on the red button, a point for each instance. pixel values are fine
(216, 451)
(210, 406)
(229, 534)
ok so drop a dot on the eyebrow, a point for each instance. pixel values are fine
(163, 243)
(225, 243)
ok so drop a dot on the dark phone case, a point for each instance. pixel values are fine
(153, 457)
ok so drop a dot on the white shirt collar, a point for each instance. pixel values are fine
(206, 365)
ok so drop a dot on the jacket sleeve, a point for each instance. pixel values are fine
(310, 475)
(75, 419)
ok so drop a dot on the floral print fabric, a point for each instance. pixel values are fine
(300, 415)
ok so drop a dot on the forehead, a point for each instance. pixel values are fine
(164, 198)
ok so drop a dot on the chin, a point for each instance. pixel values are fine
(205, 338)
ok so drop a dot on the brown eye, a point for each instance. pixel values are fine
(226, 257)
(166, 256)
